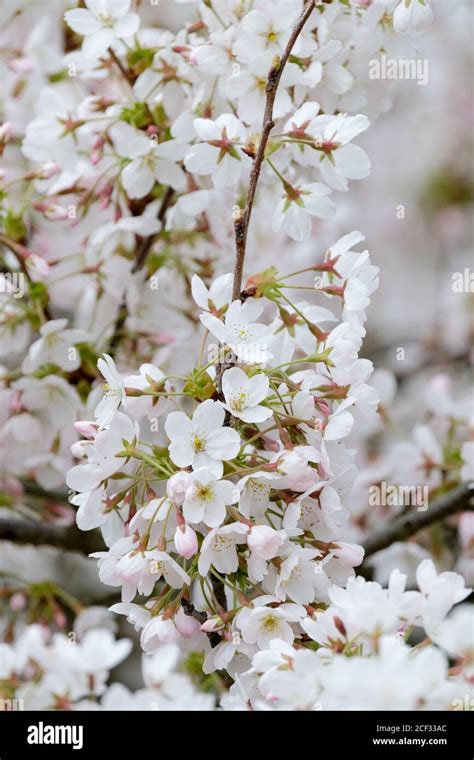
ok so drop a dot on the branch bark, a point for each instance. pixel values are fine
(146, 245)
(460, 499)
(242, 220)
(68, 537)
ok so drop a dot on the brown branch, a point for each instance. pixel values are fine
(143, 251)
(67, 537)
(147, 243)
(242, 219)
(120, 66)
(460, 499)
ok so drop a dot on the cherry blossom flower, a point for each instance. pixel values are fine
(247, 338)
(218, 152)
(102, 455)
(243, 395)
(415, 14)
(215, 298)
(114, 392)
(102, 22)
(150, 162)
(206, 498)
(219, 548)
(263, 623)
(56, 346)
(296, 207)
(202, 441)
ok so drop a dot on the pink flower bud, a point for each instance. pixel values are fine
(5, 132)
(18, 601)
(324, 407)
(213, 624)
(350, 555)
(185, 541)
(21, 65)
(186, 625)
(12, 486)
(60, 618)
(177, 486)
(45, 171)
(14, 404)
(86, 428)
(52, 211)
(37, 266)
(264, 541)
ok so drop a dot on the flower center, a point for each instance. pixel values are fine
(259, 491)
(238, 401)
(158, 567)
(221, 543)
(241, 332)
(198, 443)
(106, 19)
(204, 493)
(110, 392)
(269, 624)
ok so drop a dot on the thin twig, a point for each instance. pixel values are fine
(147, 243)
(242, 219)
(120, 66)
(460, 499)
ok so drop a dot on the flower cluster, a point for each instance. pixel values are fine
(204, 419)
(40, 672)
(362, 660)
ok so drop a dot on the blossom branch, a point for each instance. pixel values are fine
(69, 537)
(460, 499)
(147, 243)
(119, 65)
(242, 217)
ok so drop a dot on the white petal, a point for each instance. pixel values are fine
(82, 21)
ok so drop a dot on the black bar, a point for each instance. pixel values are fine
(118, 734)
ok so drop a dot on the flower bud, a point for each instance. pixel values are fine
(52, 211)
(212, 624)
(79, 449)
(37, 266)
(5, 135)
(45, 171)
(86, 428)
(264, 541)
(350, 555)
(177, 486)
(186, 625)
(185, 541)
(18, 601)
